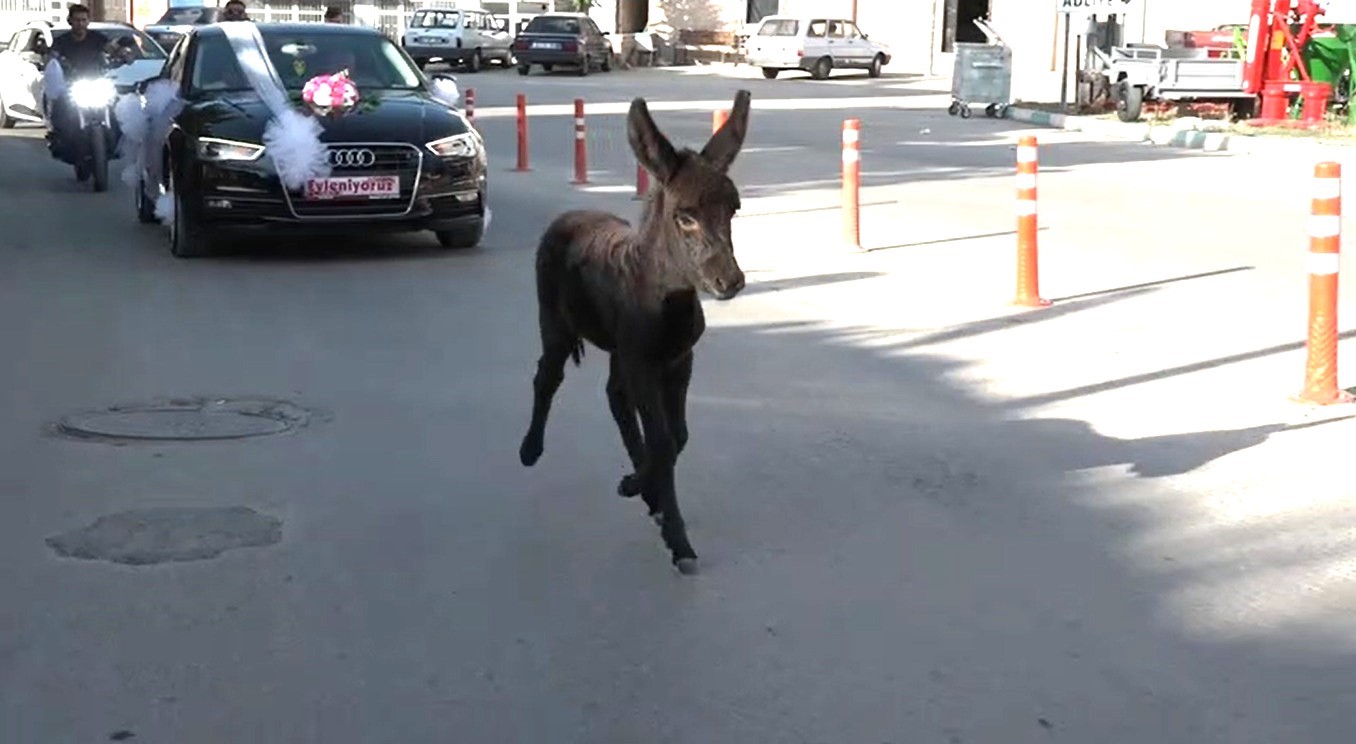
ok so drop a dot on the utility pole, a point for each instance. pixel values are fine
(854, 11)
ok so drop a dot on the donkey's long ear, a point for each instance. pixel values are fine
(725, 144)
(652, 148)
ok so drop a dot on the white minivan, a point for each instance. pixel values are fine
(469, 37)
(817, 45)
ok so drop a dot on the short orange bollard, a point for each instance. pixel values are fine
(581, 157)
(852, 176)
(522, 133)
(718, 119)
(642, 182)
(1028, 253)
(1325, 262)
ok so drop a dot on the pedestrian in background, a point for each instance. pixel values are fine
(333, 14)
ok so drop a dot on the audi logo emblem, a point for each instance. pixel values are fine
(351, 157)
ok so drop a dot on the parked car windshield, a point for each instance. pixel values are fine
(553, 25)
(434, 19)
(372, 61)
(145, 47)
(780, 27)
(187, 17)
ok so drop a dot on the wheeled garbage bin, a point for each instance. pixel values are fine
(983, 75)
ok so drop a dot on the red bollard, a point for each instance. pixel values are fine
(581, 161)
(1325, 261)
(471, 105)
(852, 174)
(522, 133)
(642, 182)
(718, 119)
(1028, 257)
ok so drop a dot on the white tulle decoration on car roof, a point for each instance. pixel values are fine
(291, 138)
(446, 91)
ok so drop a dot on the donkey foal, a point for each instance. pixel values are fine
(634, 294)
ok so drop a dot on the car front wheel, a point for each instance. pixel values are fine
(771, 73)
(187, 239)
(462, 237)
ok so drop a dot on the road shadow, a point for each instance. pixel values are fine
(813, 280)
(999, 563)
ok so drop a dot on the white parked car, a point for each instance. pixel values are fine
(816, 45)
(458, 37)
(21, 65)
(177, 22)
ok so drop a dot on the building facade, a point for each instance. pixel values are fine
(923, 33)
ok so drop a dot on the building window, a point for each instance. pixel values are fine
(958, 23)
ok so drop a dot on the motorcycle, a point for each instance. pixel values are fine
(94, 138)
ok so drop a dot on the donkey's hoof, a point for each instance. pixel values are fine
(686, 566)
(658, 518)
(629, 486)
(529, 453)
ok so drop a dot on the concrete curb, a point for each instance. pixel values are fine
(1167, 135)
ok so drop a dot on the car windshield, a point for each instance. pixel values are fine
(188, 17)
(780, 27)
(142, 45)
(372, 61)
(434, 19)
(553, 25)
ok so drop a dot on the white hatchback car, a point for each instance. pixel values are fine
(817, 45)
(458, 37)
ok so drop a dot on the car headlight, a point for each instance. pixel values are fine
(93, 92)
(211, 148)
(463, 145)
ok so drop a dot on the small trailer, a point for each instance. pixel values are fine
(1140, 72)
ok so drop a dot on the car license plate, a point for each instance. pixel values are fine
(545, 45)
(429, 40)
(353, 187)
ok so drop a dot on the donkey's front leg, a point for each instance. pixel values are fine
(624, 414)
(657, 482)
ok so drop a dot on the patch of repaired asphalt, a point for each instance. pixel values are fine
(140, 537)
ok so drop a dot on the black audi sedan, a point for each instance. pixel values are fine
(400, 160)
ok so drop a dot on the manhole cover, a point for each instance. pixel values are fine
(187, 420)
(142, 537)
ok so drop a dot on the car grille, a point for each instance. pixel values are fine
(402, 160)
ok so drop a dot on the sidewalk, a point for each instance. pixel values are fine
(1191, 133)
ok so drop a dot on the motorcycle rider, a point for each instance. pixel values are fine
(80, 52)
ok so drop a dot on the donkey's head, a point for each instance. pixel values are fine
(697, 199)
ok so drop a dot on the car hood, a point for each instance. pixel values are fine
(385, 116)
(134, 72)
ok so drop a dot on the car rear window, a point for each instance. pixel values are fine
(188, 16)
(434, 19)
(549, 25)
(780, 27)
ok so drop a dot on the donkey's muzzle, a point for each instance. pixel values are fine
(725, 288)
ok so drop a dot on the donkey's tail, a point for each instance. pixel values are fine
(577, 353)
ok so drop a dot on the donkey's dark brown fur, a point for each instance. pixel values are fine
(634, 294)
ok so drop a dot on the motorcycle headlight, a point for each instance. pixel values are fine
(456, 146)
(93, 92)
(211, 148)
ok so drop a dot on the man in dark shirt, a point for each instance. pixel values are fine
(80, 52)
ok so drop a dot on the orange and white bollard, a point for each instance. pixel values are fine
(718, 119)
(471, 105)
(581, 155)
(1028, 253)
(1325, 260)
(852, 175)
(522, 133)
(642, 182)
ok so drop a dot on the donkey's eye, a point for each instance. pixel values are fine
(688, 222)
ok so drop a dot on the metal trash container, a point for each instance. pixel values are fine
(983, 74)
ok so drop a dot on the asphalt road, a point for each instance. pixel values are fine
(886, 558)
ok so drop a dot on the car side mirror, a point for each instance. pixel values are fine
(443, 76)
(32, 58)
